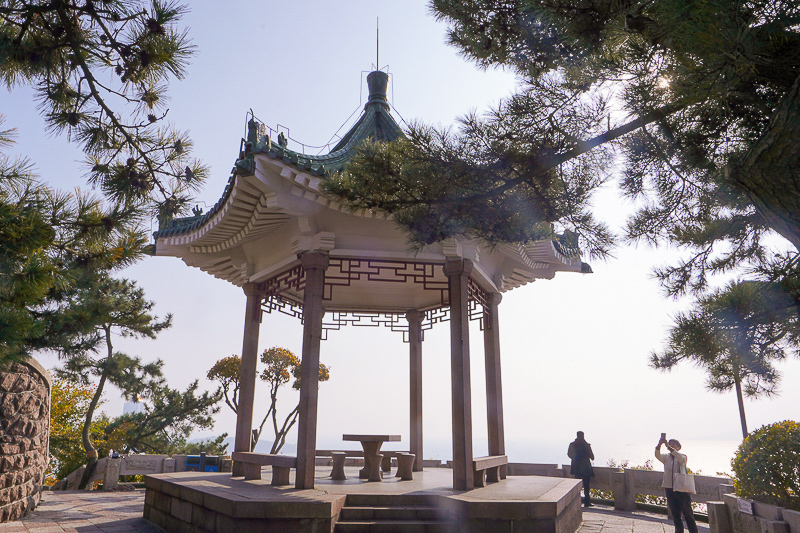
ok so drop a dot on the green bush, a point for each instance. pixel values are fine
(767, 465)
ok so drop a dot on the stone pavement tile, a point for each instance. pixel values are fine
(73, 523)
(603, 519)
(42, 524)
(12, 527)
(650, 527)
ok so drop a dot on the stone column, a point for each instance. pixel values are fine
(494, 384)
(457, 272)
(111, 475)
(314, 264)
(24, 436)
(414, 318)
(247, 373)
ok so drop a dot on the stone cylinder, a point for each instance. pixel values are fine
(24, 436)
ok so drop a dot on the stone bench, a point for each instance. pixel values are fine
(386, 463)
(252, 462)
(338, 458)
(405, 466)
(487, 469)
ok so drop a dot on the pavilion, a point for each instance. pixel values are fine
(293, 249)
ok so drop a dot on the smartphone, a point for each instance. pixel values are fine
(663, 436)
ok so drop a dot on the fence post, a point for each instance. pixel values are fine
(718, 519)
(624, 498)
(180, 463)
(725, 489)
(111, 475)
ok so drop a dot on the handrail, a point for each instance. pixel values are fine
(625, 484)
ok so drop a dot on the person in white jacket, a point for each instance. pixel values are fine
(679, 503)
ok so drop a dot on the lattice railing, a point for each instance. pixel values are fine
(283, 293)
(292, 279)
(342, 272)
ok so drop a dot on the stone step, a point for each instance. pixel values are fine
(350, 514)
(392, 526)
(390, 500)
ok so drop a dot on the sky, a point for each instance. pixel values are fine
(575, 349)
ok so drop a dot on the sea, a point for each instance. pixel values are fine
(706, 457)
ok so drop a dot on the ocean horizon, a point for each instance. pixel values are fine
(706, 457)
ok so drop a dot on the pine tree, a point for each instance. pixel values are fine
(47, 240)
(100, 70)
(169, 417)
(701, 99)
(98, 309)
(736, 334)
(698, 103)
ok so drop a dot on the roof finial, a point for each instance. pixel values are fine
(377, 43)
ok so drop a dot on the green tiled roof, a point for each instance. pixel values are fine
(375, 124)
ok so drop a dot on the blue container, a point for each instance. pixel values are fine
(202, 463)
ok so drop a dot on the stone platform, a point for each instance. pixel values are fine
(194, 502)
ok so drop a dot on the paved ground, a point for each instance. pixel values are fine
(121, 512)
(602, 519)
(86, 512)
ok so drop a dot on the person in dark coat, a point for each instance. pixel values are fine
(582, 456)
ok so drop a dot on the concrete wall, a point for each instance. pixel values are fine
(24, 437)
(625, 484)
(739, 515)
(110, 469)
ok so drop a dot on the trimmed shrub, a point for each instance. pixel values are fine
(767, 465)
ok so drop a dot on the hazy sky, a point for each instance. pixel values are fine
(575, 349)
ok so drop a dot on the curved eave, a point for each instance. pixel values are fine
(538, 260)
(248, 211)
(226, 269)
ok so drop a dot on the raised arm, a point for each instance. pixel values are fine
(659, 456)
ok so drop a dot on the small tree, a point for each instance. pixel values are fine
(161, 430)
(281, 366)
(69, 403)
(226, 373)
(99, 307)
(767, 465)
(736, 334)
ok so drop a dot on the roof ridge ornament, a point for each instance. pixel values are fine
(378, 83)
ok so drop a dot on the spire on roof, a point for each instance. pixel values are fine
(378, 82)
